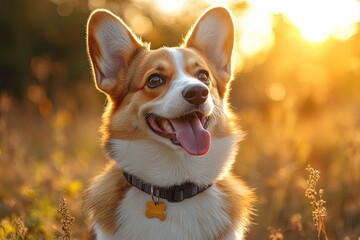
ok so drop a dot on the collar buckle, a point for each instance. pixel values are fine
(177, 195)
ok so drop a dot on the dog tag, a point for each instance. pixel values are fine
(156, 210)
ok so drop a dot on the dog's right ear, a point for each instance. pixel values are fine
(111, 45)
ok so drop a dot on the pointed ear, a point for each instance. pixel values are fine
(111, 45)
(213, 36)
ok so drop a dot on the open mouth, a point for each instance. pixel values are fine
(188, 131)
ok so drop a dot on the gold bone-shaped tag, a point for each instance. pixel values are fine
(156, 210)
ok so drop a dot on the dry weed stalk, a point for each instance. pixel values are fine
(21, 230)
(296, 223)
(316, 200)
(66, 220)
(275, 234)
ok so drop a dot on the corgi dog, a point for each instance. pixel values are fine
(168, 133)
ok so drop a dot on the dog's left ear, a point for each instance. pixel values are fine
(213, 36)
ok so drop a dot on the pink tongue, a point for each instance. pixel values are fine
(192, 135)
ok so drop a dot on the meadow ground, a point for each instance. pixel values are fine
(44, 159)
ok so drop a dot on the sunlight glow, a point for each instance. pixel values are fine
(254, 31)
(170, 6)
(319, 19)
(316, 20)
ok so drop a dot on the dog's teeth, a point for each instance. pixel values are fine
(168, 127)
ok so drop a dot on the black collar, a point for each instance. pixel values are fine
(175, 193)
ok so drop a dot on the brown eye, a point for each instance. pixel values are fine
(155, 80)
(203, 76)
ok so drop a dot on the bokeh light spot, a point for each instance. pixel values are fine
(45, 107)
(93, 4)
(35, 93)
(141, 25)
(276, 91)
(41, 67)
(5, 102)
(65, 9)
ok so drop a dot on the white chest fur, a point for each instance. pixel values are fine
(200, 217)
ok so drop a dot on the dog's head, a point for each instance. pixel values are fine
(167, 107)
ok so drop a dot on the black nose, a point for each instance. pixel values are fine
(195, 94)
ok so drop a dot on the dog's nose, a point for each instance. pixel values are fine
(195, 94)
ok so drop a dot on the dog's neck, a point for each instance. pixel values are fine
(173, 167)
(175, 193)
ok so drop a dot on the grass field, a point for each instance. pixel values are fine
(46, 158)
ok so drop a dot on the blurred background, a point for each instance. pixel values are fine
(296, 90)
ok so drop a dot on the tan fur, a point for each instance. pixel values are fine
(239, 201)
(104, 195)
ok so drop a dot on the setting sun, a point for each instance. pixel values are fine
(318, 20)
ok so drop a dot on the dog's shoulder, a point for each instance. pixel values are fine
(103, 196)
(239, 200)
